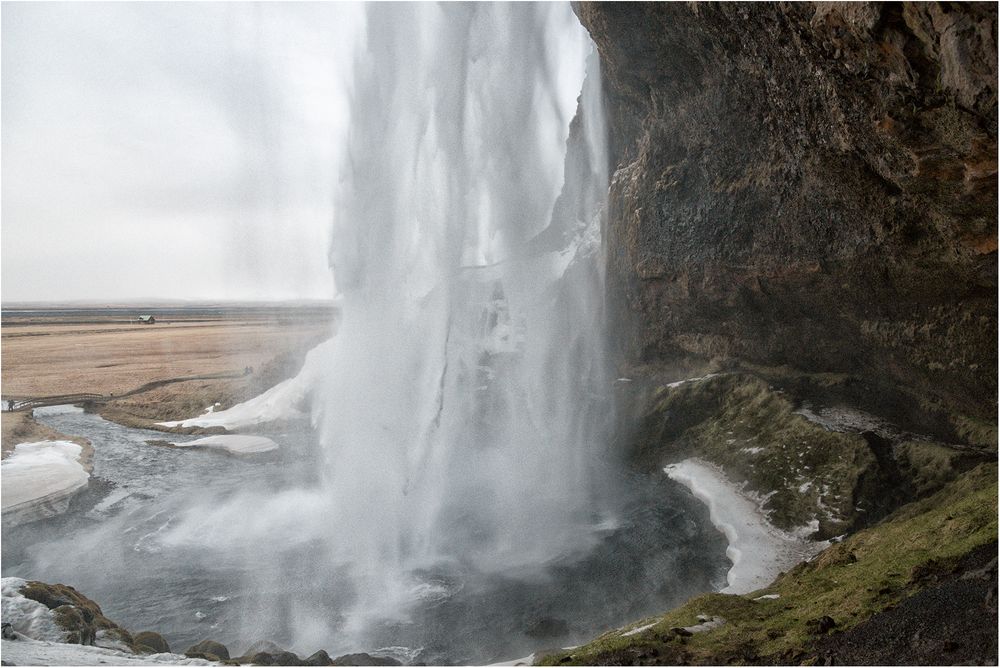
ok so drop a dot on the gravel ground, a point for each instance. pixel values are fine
(952, 622)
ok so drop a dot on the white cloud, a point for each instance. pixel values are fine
(182, 150)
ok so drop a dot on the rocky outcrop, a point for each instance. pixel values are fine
(815, 471)
(59, 613)
(808, 189)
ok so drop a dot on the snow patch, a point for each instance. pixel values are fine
(678, 383)
(28, 652)
(29, 618)
(758, 550)
(638, 630)
(39, 479)
(235, 444)
(523, 661)
(284, 401)
(707, 623)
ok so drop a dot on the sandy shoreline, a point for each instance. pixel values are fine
(759, 550)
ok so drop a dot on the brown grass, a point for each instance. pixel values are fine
(44, 360)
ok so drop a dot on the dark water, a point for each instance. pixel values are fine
(110, 546)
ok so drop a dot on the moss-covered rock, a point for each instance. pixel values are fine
(72, 620)
(209, 650)
(80, 617)
(831, 470)
(150, 642)
(281, 658)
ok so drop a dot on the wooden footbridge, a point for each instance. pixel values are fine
(30, 403)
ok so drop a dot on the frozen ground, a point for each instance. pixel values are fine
(759, 550)
(27, 652)
(39, 479)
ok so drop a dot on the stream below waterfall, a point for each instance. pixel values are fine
(116, 545)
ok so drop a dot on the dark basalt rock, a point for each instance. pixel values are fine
(811, 187)
(363, 659)
(208, 650)
(280, 658)
(320, 658)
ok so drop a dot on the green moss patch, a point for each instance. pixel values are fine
(807, 473)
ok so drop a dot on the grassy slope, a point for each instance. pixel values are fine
(866, 573)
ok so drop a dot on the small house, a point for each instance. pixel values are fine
(147, 319)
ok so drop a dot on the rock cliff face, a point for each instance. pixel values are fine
(808, 191)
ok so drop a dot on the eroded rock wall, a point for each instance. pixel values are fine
(809, 187)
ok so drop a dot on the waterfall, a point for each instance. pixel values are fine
(463, 405)
(453, 498)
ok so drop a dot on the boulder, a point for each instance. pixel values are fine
(150, 642)
(279, 658)
(59, 613)
(320, 658)
(208, 650)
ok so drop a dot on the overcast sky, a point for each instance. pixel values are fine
(171, 150)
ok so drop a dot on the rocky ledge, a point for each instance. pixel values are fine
(46, 624)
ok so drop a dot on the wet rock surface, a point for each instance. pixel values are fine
(208, 649)
(363, 659)
(810, 186)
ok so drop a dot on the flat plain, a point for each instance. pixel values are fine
(45, 355)
(227, 352)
